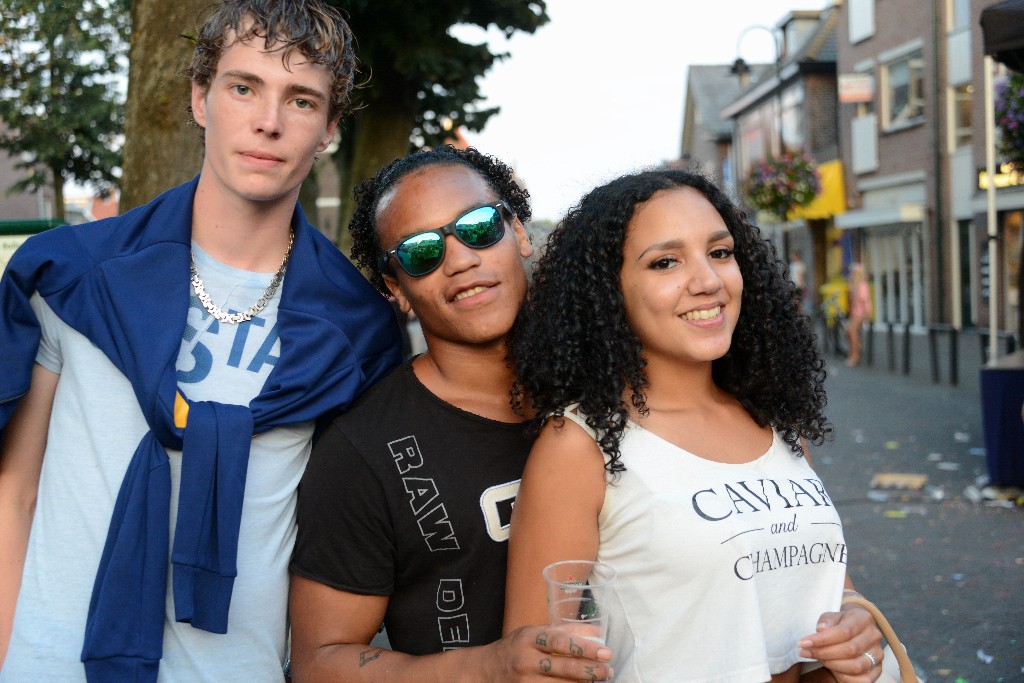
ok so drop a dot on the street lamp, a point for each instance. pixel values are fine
(741, 69)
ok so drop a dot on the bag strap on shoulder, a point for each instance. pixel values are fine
(907, 673)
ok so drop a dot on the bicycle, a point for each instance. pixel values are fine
(835, 321)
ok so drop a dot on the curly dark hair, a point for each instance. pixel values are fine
(317, 30)
(572, 342)
(368, 252)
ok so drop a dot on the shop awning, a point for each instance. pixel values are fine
(1001, 26)
(890, 215)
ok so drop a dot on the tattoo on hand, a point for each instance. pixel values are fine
(545, 665)
(542, 639)
(574, 649)
(590, 670)
(367, 656)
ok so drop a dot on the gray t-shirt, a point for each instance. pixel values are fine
(95, 427)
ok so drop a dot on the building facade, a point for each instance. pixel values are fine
(21, 205)
(707, 137)
(893, 149)
(792, 106)
(915, 154)
(969, 220)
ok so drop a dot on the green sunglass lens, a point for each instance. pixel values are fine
(421, 253)
(480, 227)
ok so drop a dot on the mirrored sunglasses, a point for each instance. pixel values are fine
(421, 253)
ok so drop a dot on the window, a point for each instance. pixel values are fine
(753, 137)
(862, 20)
(864, 144)
(962, 96)
(792, 116)
(960, 14)
(903, 91)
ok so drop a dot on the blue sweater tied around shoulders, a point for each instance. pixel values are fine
(124, 284)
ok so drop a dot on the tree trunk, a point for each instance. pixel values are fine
(309, 192)
(161, 150)
(380, 133)
(340, 187)
(58, 193)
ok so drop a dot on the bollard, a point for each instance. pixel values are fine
(933, 351)
(869, 331)
(906, 349)
(827, 343)
(954, 358)
(890, 346)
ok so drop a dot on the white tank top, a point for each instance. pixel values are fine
(720, 568)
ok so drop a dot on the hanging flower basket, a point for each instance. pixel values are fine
(777, 185)
(1009, 108)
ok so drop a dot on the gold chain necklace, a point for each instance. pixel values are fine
(268, 293)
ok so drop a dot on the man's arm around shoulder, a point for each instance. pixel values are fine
(21, 460)
(332, 629)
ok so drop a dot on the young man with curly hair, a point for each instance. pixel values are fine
(404, 508)
(163, 372)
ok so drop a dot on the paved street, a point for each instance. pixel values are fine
(946, 570)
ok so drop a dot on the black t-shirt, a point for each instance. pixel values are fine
(408, 496)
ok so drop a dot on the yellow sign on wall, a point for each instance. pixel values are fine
(1005, 176)
(831, 200)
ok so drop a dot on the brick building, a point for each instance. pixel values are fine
(21, 205)
(707, 138)
(897, 124)
(914, 153)
(893, 150)
(792, 106)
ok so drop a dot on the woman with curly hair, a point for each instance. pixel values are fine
(676, 382)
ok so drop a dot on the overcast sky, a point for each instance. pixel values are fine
(599, 90)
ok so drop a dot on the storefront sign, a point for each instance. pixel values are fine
(1006, 176)
(8, 245)
(856, 87)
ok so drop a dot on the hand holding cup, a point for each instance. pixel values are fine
(579, 593)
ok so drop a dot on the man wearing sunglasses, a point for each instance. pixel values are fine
(405, 505)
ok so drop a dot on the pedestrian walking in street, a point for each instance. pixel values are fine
(676, 383)
(162, 372)
(404, 508)
(860, 310)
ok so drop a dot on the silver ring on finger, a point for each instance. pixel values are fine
(871, 658)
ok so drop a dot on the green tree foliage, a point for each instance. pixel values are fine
(416, 77)
(420, 80)
(59, 104)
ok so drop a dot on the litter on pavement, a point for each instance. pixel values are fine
(898, 480)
